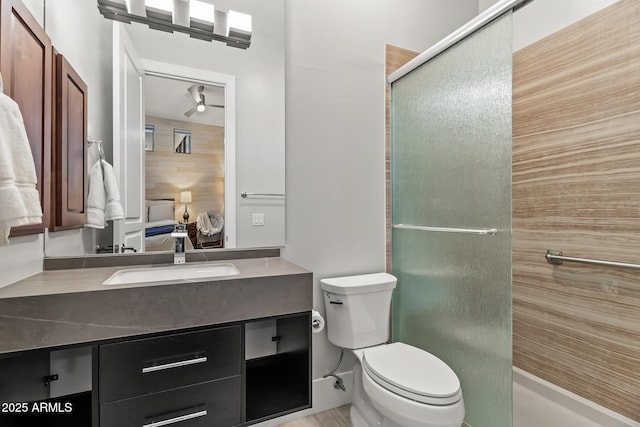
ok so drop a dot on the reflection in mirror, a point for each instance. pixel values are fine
(185, 197)
(89, 41)
(170, 182)
(182, 141)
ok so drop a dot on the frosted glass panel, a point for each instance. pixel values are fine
(451, 167)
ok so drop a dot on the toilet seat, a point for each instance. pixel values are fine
(412, 373)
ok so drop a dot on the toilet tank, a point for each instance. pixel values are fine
(358, 309)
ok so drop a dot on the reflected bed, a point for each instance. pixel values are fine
(160, 222)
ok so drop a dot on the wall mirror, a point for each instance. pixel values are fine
(182, 73)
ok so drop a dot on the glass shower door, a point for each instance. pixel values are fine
(451, 198)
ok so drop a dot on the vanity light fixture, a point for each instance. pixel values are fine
(196, 18)
(181, 15)
(163, 5)
(135, 7)
(239, 24)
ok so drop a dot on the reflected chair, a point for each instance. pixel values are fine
(213, 237)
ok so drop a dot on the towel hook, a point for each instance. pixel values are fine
(100, 147)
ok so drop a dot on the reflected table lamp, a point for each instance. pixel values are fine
(185, 197)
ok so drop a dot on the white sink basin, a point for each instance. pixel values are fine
(174, 272)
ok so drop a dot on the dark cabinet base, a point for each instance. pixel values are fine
(281, 383)
(276, 385)
(191, 377)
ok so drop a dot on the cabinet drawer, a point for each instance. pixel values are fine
(149, 365)
(216, 403)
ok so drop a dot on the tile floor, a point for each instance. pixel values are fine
(337, 417)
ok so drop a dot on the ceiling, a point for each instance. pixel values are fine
(169, 99)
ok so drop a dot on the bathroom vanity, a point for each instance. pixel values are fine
(226, 351)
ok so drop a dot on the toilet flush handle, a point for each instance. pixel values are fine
(337, 301)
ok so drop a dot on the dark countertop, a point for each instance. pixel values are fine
(71, 307)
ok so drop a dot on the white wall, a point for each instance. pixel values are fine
(485, 4)
(23, 256)
(541, 18)
(335, 130)
(83, 36)
(36, 7)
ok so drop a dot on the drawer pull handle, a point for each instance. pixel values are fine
(174, 365)
(177, 419)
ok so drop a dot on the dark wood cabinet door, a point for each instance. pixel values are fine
(69, 154)
(25, 64)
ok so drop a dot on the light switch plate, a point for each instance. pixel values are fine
(258, 219)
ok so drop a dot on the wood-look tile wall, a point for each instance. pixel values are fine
(576, 188)
(202, 172)
(396, 57)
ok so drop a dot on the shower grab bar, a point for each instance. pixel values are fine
(484, 232)
(556, 258)
(244, 195)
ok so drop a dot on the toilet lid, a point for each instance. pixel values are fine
(412, 372)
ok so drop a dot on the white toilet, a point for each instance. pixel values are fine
(394, 384)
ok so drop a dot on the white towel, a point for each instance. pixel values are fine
(103, 200)
(113, 209)
(96, 198)
(19, 198)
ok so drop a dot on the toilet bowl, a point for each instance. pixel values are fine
(412, 387)
(394, 384)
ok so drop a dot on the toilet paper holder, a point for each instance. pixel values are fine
(317, 322)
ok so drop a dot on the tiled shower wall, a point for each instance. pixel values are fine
(576, 188)
(395, 57)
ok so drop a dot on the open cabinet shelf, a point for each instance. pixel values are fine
(280, 383)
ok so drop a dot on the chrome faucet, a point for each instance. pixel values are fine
(179, 234)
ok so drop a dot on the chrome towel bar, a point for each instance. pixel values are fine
(244, 195)
(485, 232)
(556, 258)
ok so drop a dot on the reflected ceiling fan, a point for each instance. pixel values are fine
(197, 93)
